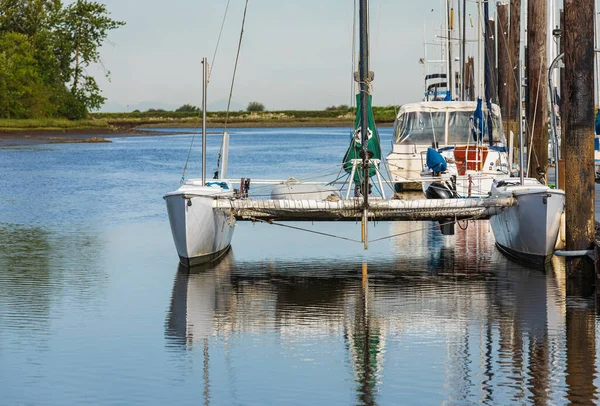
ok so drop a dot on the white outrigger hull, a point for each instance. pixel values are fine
(201, 233)
(528, 230)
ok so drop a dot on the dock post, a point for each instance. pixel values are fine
(579, 138)
(580, 343)
(537, 88)
(503, 62)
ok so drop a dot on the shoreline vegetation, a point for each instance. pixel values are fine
(100, 126)
(47, 94)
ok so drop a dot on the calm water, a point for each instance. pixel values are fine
(93, 308)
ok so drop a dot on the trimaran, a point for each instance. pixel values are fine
(203, 214)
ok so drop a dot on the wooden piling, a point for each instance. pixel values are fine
(537, 88)
(469, 79)
(503, 61)
(579, 138)
(580, 343)
(515, 43)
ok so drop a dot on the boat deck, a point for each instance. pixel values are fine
(352, 209)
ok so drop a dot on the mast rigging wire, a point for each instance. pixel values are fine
(237, 57)
(352, 83)
(208, 80)
(218, 40)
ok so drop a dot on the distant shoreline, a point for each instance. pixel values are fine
(10, 137)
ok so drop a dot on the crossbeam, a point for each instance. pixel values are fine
(352, 209)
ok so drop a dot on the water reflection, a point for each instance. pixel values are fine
(41, 272)
(492, 335)
(365, 342)
(581, 349)
(198, 294)
(25, 275)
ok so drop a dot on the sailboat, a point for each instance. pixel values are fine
(528, 230)
(201, 234)
(203, 213)
(453, 148)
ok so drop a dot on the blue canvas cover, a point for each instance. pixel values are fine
(435, 161)
(478, 123)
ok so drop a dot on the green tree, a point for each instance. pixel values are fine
(188, 108)
(255, 106)
(81, 30)
(340, 107)
(29, 17)
(56, 44)
(37, 20)
(22, 90)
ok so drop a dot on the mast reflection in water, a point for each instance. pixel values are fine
(441, 326)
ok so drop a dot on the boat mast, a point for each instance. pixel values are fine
(464, 46)
(204, 80)
(488, 72)
(363, 65)
(448, 50)
(479, 56)
(521, 129)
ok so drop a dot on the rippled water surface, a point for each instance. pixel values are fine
(94, 309)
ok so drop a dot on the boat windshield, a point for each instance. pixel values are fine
(421, 127)
(426, 127)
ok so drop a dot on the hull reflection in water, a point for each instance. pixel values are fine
(437, 320)
(191, 316)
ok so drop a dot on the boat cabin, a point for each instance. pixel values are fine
(437, 124)
(442, 124)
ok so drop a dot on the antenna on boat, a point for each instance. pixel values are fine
(204, 80)
(365, 83)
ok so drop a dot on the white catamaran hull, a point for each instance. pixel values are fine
(201, 233)
(529, 229)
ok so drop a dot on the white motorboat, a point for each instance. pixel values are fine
(528, 230)
(447, 127)
(471, 170)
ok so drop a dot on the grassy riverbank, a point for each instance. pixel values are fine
(284, 118)
(126, 122)
(49, 124)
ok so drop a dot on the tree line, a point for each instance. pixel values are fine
(45, 50)
(188, 108)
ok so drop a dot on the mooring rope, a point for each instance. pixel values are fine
(254, 219)
(306, 230)
(425, 228)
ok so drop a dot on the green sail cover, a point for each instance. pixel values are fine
(354, 151)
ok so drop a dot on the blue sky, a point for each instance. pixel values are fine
(295, 54)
